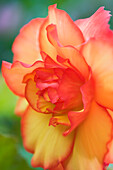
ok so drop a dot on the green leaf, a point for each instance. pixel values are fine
(27, 156)
(10, 125)
(7, 99)
(10, 159)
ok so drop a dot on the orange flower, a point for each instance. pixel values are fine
(63, 73)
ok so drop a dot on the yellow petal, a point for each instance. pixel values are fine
(91, 140)
(47, 143)
(37, 102)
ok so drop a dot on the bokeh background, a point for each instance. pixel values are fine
(13, 15)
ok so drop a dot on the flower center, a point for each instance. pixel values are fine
(60, 88)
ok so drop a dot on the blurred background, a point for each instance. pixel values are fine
(13, 15)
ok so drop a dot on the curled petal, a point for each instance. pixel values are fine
(45, 45)
(26, 45)
(92, 137)
(53, 95)
(68, 32)
(31, 90)
(47, 143)
(37, 102)
(69, 89)
(14, 73)
(59, 119)
(68, 52)
(50, 63)
(99, 56)
(97, 25)
(52, 35)
(77, 117)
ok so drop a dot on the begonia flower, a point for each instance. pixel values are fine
(62, 72)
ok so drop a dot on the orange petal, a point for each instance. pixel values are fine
(14, 73)
(68, 52)
(92, 137)
(97, 25)
(109, 156)
(68, 32)
(45, 45)
(21, 106)
(47, 143)
(26, 45)
(99, 56)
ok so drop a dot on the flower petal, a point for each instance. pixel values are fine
(60, 119)
(21, 106)
(45, 141)
(99, 56)
(109, 156)
(26, 45)
(77, 117)
(37, 102)
(68, 52)
(69, 89)
(68, 32)
(97, 25)
(59, 167)
(14, 73)
(45, 45)
(91, 141)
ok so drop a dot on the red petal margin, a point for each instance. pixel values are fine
(97, 25)
(59, 167)
(14, 73)
(75, 117)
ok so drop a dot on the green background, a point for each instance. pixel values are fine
(13, 15)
